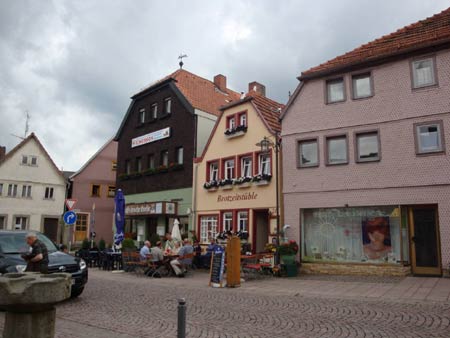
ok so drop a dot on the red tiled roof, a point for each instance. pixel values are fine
(269, 109)
(200, 92)
(429, 32)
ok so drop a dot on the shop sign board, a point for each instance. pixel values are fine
(150, 137)
(152, 208)
(217, 268)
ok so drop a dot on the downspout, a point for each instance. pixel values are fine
(195, 169)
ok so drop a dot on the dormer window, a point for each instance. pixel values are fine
(29, 160)
(231, 123)
(243, 119)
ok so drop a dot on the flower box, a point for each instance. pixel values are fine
(262, 182)
(235, 134)
(226, 187)
(212, 189)
(244, 185)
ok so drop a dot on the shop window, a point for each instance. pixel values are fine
(429, 137)
(337, 150)
(168, 105)
(308, 153)
(242, 220)
(213, 171)
(229, 169)
(48, 195)
(367, 146)
(335, 90)
(154, 111)
(12, 190)
(208, 228)
(227, 221)
(95, 190)
(111, 191)
(264, 165)
(367, 235)
(362, 86)
(179, 153)
(20, 223)
(246, 166)
(26, 191)
(423, 72)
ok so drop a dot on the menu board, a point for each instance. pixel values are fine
(216, 268)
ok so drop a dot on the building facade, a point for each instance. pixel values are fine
(94, 187)
(233, 186)
(167, 125)
(366, 158)
(32, 189)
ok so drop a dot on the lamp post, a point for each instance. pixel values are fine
(266, 144)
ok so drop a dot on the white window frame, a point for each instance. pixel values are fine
(168, 105)
(154, 111)
(20, 223)
(246, 166)
(355, 79)
(208, 228)
(227, 221)
(26, 191)
(214, 171)
(12, 190)
(330, 139)
(264, 164)
(243, 119)
(127, 167)
(151, 161)
(165, 158)
(440, 127)
(138, 164)
(232, 122)
(414, 74)
(142, 115)
(300, 153)
(328, 84)
(229, 169)
(180, 155)
(242, 220)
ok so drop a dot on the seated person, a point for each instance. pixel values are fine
(177, 264)
(206, 258)
(169, 244)
(157, 253)
(176, 248)
(145, 251)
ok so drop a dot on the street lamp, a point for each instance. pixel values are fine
(266, 144)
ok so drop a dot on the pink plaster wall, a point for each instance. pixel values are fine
(98, 171)
(400, 177)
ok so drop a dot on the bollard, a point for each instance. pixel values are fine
(181, 318)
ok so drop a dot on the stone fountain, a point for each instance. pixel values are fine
(29, 301)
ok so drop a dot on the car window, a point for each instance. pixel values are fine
(15, 243)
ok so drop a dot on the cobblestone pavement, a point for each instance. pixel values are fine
(124, 306)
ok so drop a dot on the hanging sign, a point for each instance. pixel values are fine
(151, 137)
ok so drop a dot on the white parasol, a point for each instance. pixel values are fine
(176, 234)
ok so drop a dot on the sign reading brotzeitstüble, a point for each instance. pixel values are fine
(151, 137)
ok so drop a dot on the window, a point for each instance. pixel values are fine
(335, 90)
(33, 160)
(214, 171)
(180, 155)
(165, 158)
(24, 159)
(243, 221)
(95, 190)
(243, 119)
(231, 122)
(141, 116)
(127, 167)
(168, 105)
(81, 223)
(362, 86)
(208, 228)
(264, 164)
(2, 222)
(337, 150)
(20, 223)
(423, 72)
(26, 191)
(246, 166)
(429, 137)
(151, 161)
(12, 190)
(114, 165)
(154, 110)
(138, 166)
(229, 169)
(48, 193)
(111, 191)
(227, 221)
(1, 189)
(367, 146)
(308, 153)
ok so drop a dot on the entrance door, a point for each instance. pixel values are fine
(51, 228)
(262, 229)
(81, 227)
(425, 251)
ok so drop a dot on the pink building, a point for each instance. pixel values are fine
(94, 187)
(366, 169)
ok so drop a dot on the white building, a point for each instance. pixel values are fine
(32, 189)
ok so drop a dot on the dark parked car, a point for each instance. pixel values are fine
(12, 245)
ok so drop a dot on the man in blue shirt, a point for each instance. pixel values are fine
(185, 256)
(145, 251)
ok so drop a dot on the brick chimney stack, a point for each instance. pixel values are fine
(2, 153)
(257, 87)
(221, 82)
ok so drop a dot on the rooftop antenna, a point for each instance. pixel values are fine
(181, 60)
(27, 127)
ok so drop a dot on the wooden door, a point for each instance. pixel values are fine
(81, 227)
(424, 239)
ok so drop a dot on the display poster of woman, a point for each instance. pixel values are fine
(376, 238)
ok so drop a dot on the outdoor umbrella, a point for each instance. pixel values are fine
(176, 235)
(119, 201)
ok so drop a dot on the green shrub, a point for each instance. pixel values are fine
(86, 244)
(128, 244)
(101, 244)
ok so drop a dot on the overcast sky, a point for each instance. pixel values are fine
(73, 65)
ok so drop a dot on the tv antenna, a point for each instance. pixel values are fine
(181, 60)
(27, 127)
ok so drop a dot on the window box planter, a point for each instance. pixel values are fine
(235, 132)
(176, 167)
(244, 185)
(262, 179)
(243, 182)
(226, 184)
(211, 186)
(226, 187)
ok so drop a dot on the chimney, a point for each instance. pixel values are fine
(2, 153)
(221, 82)
(257, 87)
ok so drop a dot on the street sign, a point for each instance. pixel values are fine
(70, 203)
(70, 217)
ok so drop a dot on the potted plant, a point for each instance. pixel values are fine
(101, 244)
(287, 252)
(211, 185)
(128, 245)
(226, 183)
